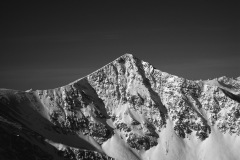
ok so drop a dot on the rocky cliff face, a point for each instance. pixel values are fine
(126, 110)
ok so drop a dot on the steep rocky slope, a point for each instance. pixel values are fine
(126, 110)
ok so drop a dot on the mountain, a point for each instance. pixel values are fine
(126, 110)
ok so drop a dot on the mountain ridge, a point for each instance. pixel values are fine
(126, 110)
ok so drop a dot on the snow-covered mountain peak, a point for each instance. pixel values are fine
(126, 110)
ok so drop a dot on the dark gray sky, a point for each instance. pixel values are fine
(47, 45)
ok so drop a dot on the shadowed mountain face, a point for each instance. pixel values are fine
(127, 110)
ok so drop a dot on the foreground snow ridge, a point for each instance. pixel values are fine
(126, 110)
